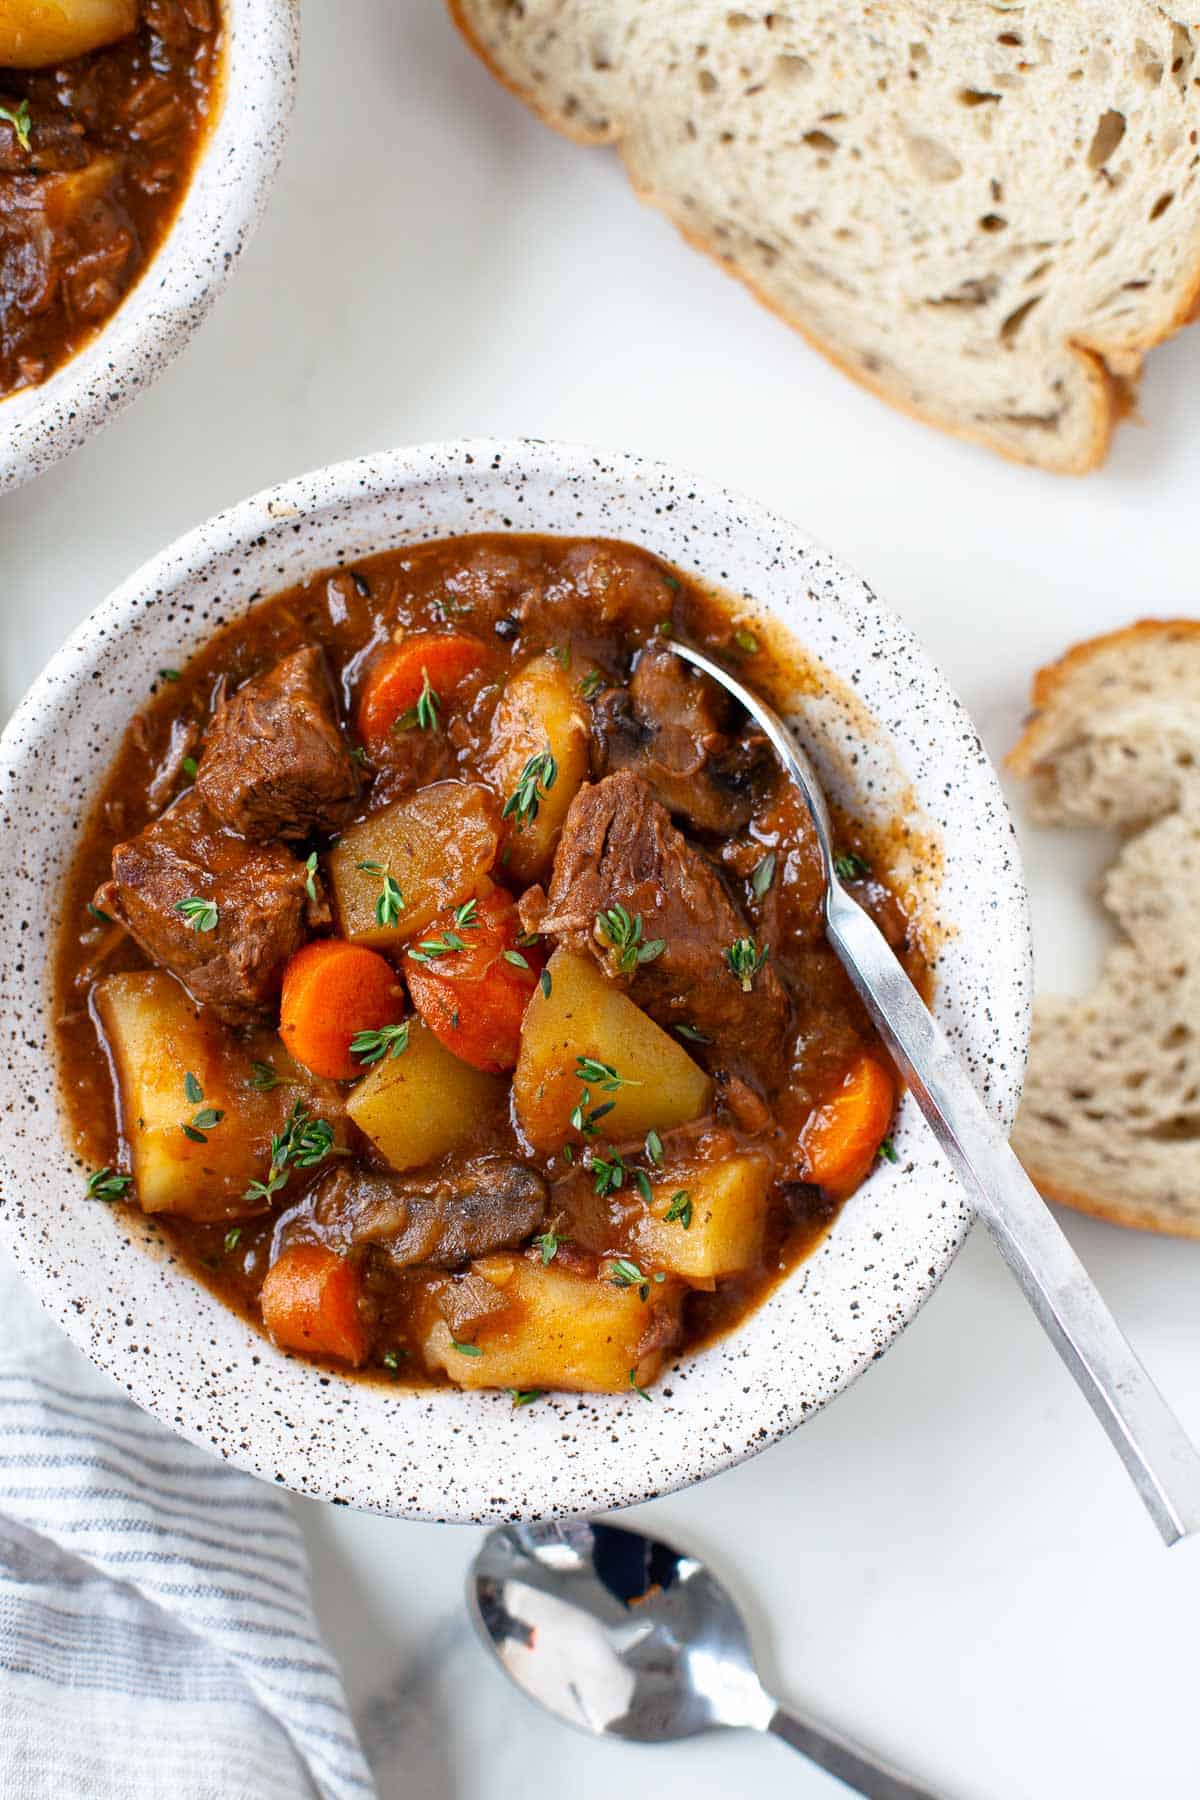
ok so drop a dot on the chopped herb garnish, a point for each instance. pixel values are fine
(654, 1149)
(233, 1238)
(264, 1077)
(168, 674)
(424, 715)
(304, 1142)
(537, 778)
(102, 918)
(106, 1184)
(357, 753)
(602, 1075)
(203, 1122)
(887, 1151)
(201, 915)
(544, 978)
(763, 875)
(588, 1122)
(464, 916)
(466, 1349)
(622, 932)
(429, 949)
(390, 903)
(372, 1046)
(746, 641)
(680, 1209)
(591, 684)
(639, 1391)
(518, 961)
(610, 1172)
(672, 581)
(851, 868)
(525, 1396)
(745, 959)
(192, 1088)
(190, 767)
(625, 1274)
(642, 1183)
(547, 1242)
(310, 877)
(562, 655)
(21, 122)
(692, 1035)
(391, 1358)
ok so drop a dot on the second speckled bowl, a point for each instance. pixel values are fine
(223, 203)
(891, 738)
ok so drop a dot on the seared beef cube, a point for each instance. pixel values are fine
(275, 763)
(251, 908)
(487, 1203)
(673, 727)
(619, 848)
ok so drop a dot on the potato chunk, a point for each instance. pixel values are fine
(719, 1219)
(417, 1106)
(538, 711)
(559, 1330)
(436, 846)
(36, 33)
(157, 1037)
(585, 1015)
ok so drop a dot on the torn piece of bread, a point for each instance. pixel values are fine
(1110, 1119)
(986, 211)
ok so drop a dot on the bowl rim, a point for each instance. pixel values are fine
(226, 196)
(282, 1452)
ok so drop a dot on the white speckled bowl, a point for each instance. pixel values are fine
(223, 204)
(440, 1455)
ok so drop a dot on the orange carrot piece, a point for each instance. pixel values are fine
(397, 679)
(332, 990)
(841, 1137)
(473, 997)
(310, 1302)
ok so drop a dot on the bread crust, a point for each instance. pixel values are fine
(1111, 398)
(1133, 1218)
(1049, 679)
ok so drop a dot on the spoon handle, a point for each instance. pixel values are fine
(858, 1768)
(1147, 1436)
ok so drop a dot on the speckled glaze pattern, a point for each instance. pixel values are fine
(219, 212)
(111, 1281)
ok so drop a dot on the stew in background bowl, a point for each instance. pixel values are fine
(116, 1283)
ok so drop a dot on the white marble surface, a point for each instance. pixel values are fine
(949, 1561)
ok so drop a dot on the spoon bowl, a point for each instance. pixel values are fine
(621, 1635)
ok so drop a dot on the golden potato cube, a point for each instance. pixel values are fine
(586, 1015)
(157, 1037)
(436, 845)
(539, 710)
(417, 1106)
(36, 33)
(561, 1330)
(725, 1207)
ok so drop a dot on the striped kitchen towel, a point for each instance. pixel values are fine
(157, 1638)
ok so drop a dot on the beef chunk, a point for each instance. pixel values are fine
(673, 726)
(275, 764)
(619, 847)
(485, 1204)
(259, 893)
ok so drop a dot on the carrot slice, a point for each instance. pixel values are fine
(841, 1137)
(397, 678)
(471, 981)
(332, 990)
(310, 1302)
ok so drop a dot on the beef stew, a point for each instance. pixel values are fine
(103, 108)
(443, 968)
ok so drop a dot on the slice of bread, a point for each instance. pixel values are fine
(986, 211)
(1110, 1120)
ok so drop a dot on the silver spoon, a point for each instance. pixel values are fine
(625, 1637)
(1144, 1431)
